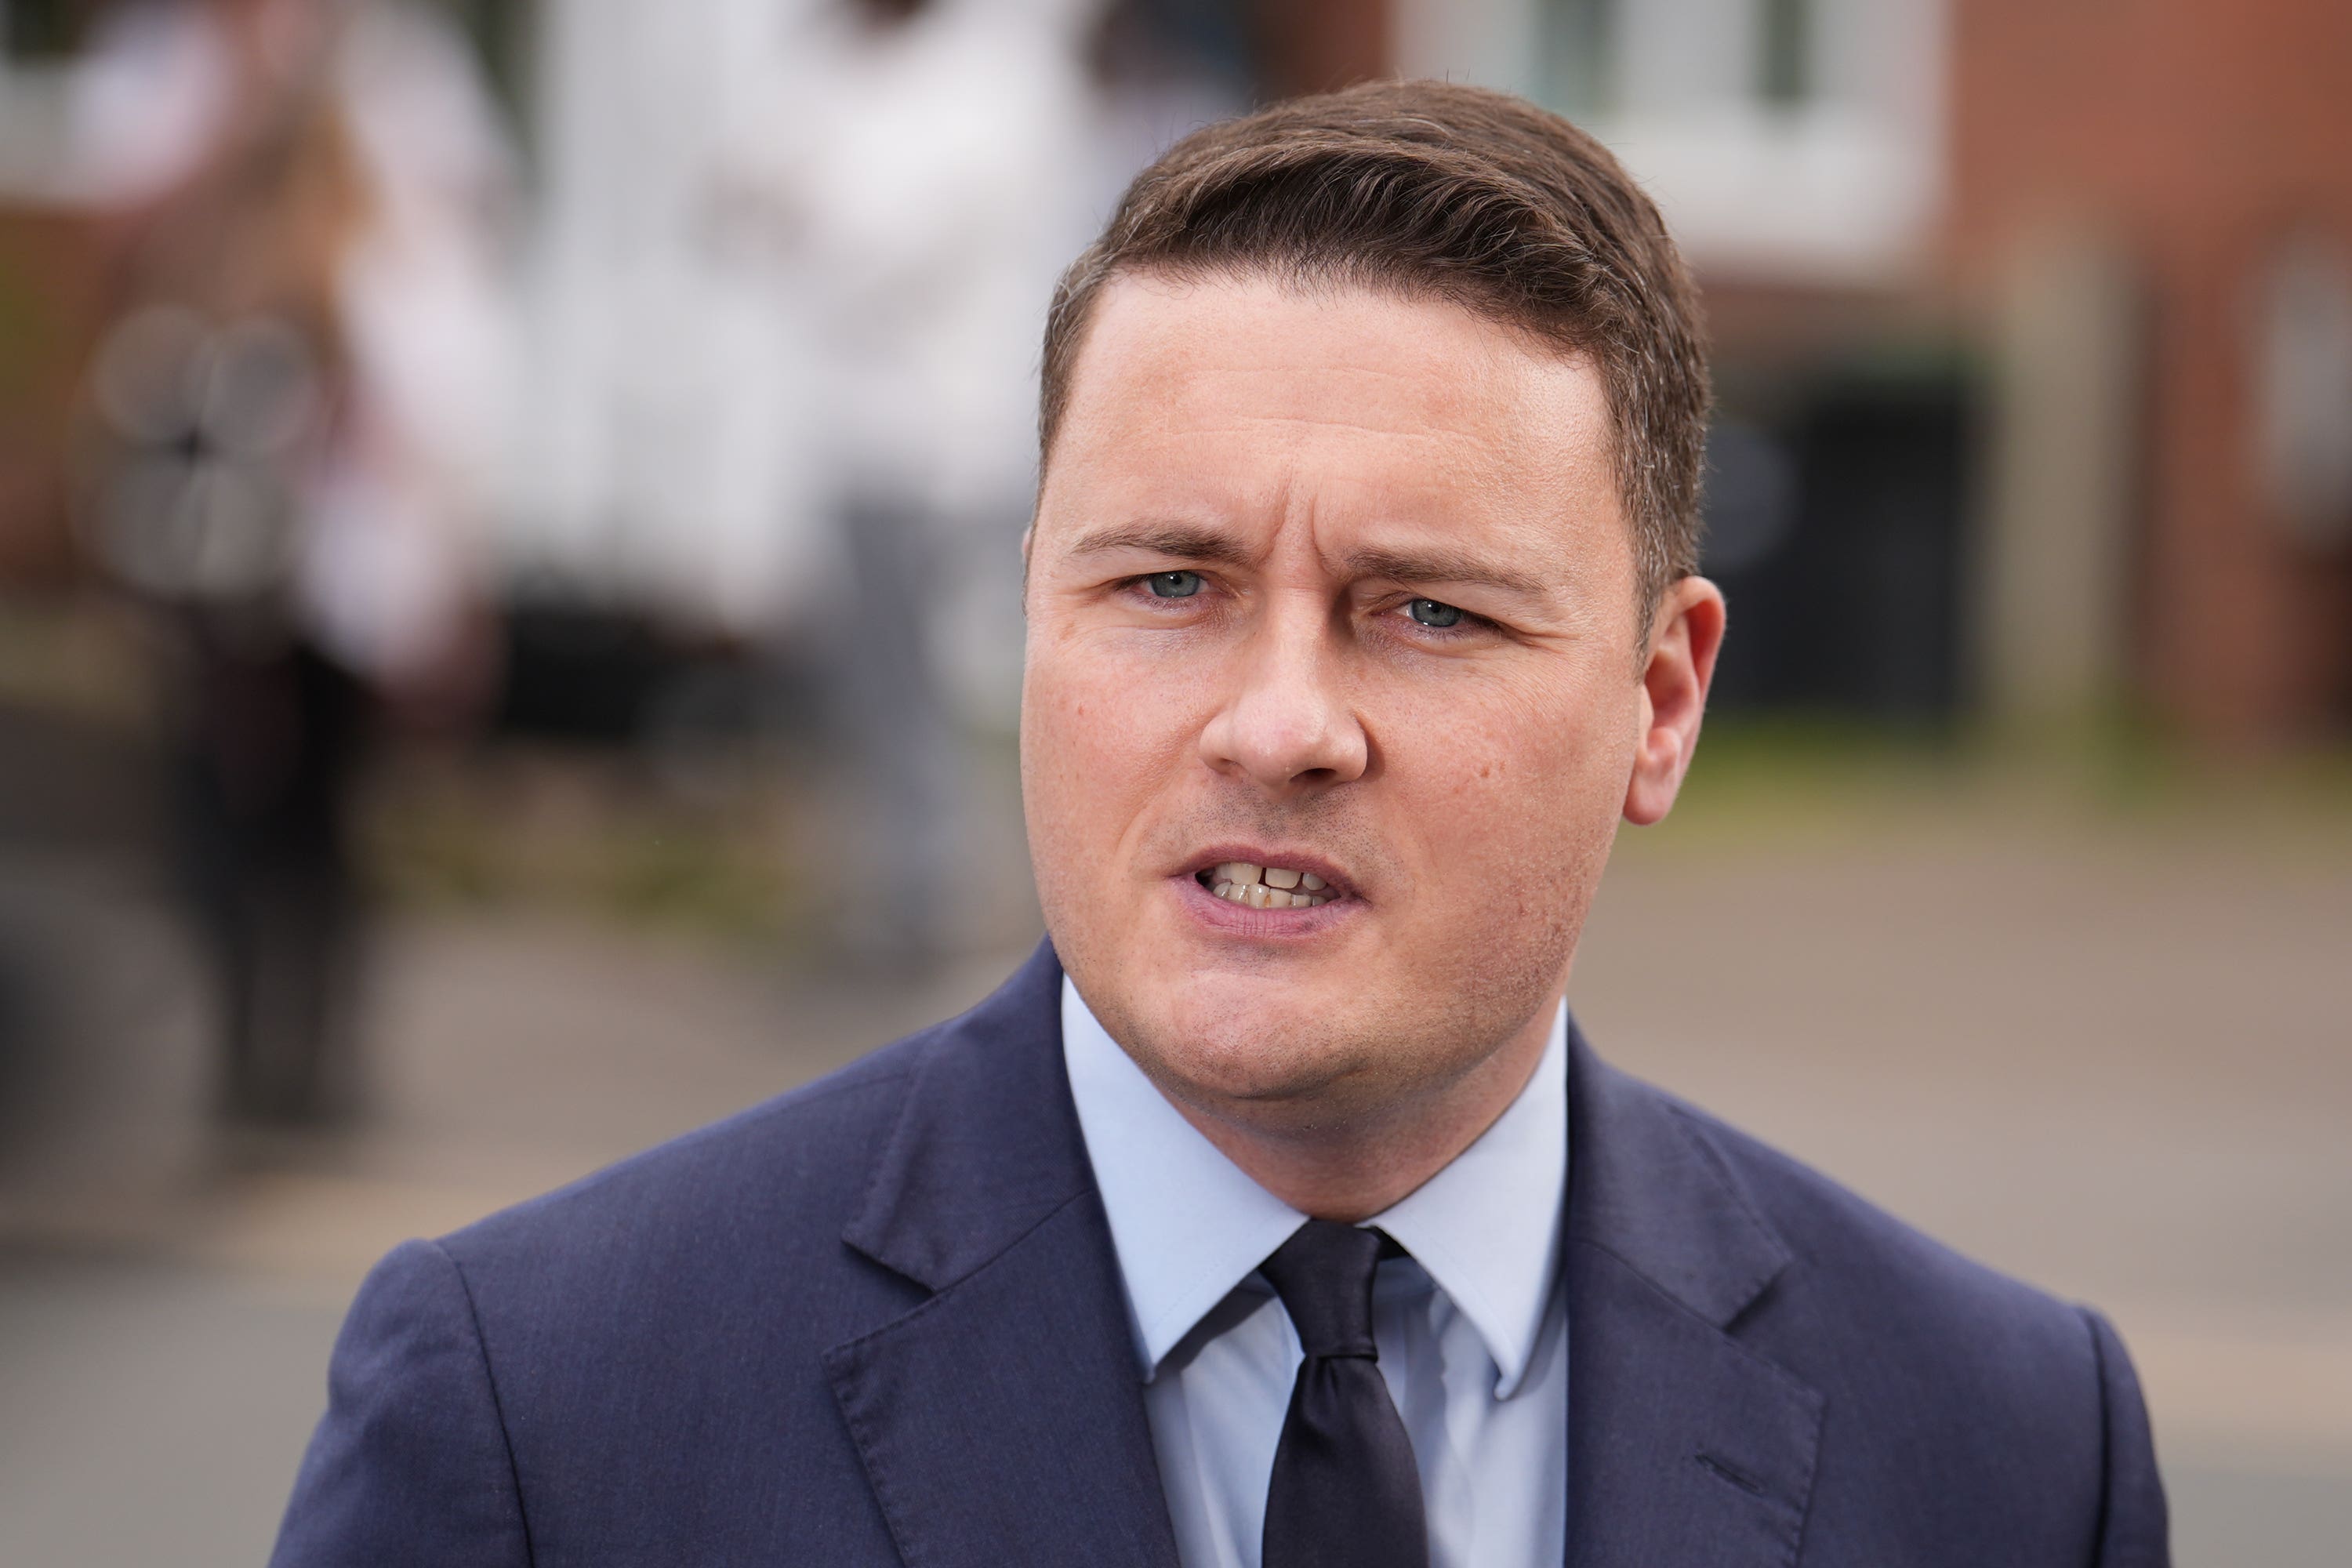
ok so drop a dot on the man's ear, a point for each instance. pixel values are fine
(1684, 639)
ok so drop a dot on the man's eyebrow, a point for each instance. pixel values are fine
(1180, 540)
(1437, 563)
(1192, 542)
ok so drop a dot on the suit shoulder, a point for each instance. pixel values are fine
(1883, 1266)
(1932, 1364)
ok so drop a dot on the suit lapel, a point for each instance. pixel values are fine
(1684, 1446)
(1002, 1420)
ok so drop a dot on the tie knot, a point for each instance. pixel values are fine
(1324, 1275)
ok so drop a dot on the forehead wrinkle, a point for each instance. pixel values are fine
(1458, 378)
(1443, 401)
(1421, 434)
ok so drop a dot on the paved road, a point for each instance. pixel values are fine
(2111, 1057)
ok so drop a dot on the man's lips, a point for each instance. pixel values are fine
(1264, 893)
(1299, 874)
(1225, 917)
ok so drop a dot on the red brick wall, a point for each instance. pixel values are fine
(2202, 132)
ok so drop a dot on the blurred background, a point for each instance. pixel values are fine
(509, 638)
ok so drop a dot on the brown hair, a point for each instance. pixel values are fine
(1443, 190)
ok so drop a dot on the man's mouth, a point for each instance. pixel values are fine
(1266, 887)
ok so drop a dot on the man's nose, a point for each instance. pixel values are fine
(1287, 723)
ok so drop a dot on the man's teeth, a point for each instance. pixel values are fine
(1268, 887)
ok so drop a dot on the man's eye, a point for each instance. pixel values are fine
(1429, 613)
(1174, 584)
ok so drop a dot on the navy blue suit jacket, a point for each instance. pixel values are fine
(879, 1320)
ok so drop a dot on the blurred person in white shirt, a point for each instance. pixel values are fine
(915, 176)
(298, 419)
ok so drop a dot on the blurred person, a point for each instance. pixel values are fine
(296, 416)
(1275, 1212)
(785, 359)
(918, 172)
(669, 410)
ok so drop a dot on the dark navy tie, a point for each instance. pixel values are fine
(1346, 1493)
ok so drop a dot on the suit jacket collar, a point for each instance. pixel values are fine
(988, 1145)
(1003, 1419)
(1684, 1445)
(1647, 1186)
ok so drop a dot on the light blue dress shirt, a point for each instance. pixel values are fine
(1472, 1329)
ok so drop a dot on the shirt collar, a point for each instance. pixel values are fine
(1189, 1225)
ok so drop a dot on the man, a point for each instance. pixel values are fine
(1274, 1212)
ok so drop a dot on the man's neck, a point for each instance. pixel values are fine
(1356, 1164)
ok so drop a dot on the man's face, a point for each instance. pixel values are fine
(1338, 585)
